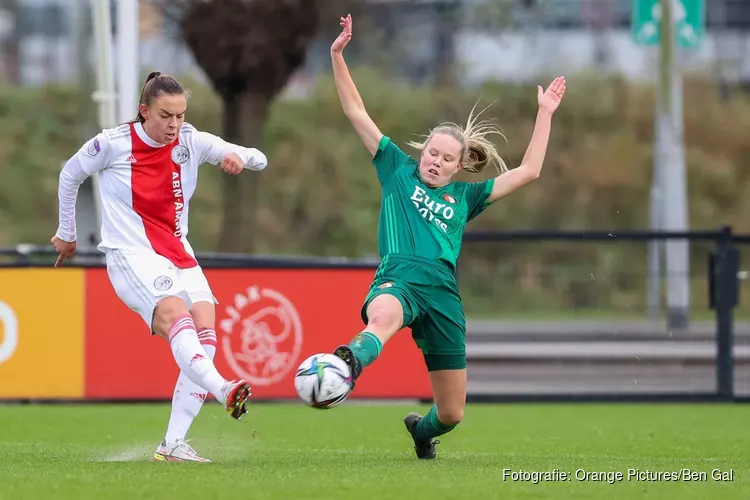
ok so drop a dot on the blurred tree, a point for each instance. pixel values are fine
(447, 12)
(248, 49)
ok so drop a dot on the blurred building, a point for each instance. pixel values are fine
(50, 40)
(45, 41)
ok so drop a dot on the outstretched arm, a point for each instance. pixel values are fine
(531, 166)
(354, 108)
(91, 158)
(232, 157)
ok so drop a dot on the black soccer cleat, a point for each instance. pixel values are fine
(425, 448)
(355, 366)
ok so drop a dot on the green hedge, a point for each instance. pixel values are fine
(320, 195)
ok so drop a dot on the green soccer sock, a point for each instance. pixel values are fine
(429, 426)
(366, 347)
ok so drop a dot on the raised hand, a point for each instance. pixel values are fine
(550, 99)
(345, 36)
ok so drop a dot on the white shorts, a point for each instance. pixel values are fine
(142, 278)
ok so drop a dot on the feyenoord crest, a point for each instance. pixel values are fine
(180, 154)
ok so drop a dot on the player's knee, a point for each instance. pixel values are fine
(167, 311)
(451, 416)
(384, 314)
(204, 315)
(382, 319)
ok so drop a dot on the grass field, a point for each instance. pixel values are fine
(363, 451)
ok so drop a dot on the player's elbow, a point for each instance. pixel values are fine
(72, 174)
(65, 177)
(527, 174)
(530, 173)
(258, 160)
(354, 112)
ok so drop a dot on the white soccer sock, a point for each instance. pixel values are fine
(192, 358)
(188, 397)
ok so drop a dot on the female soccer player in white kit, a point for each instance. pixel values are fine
(148, 171)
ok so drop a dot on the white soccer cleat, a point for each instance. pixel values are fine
(234, 395)
(179, 451)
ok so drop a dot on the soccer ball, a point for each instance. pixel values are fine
(323, 381)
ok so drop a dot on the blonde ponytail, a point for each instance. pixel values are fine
(477, 151)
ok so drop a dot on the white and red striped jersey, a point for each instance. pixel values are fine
(145, 187)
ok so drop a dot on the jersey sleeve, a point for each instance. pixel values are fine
(212, 149)
(476, 197)
(388, 158)
(91, 158)
(94, 155)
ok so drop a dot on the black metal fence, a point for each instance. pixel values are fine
(579, 356)
(508, 357)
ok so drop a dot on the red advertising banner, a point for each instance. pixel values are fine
(123, 360)
(267, 322)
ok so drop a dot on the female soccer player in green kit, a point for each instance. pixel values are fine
(422, 220)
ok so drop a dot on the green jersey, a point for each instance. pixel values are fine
(418, 220)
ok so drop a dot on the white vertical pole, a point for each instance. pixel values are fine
(86, 206)
(104, 95)
(672, 150)
(127, 71)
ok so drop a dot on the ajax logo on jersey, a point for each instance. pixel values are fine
(180, 154)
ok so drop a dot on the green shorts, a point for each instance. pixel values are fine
(432, 306)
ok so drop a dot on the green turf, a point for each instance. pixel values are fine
(357, 451)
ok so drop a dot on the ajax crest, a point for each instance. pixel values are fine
(262, 336)
(180, 154)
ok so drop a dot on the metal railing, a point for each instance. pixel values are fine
(722, 269)
(723, 280)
